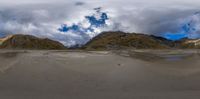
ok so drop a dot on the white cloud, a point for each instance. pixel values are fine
(42, 18)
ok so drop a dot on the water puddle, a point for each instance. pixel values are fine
(161, 56)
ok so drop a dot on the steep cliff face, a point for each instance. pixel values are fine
(28, 42)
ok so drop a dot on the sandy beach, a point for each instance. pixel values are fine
(138, 74)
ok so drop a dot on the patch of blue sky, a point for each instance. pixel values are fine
(94, 22)
(184, 32)
(175, 36)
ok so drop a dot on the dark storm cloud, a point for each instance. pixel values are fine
(155, 22)
(79, 3)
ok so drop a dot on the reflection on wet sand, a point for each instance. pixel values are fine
(8, 59)
(133, 74)
(10, 54)
(168, 62)
(160, 55)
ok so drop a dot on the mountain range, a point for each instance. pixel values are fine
(105, 41)
(121, 40)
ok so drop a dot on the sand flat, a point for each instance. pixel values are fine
(99, 75)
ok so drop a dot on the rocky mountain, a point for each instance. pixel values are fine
(121, 40)
(104, 41)
(188, 43)
(28, 42)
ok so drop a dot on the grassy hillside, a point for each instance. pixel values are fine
(120, 40)
(29, 42)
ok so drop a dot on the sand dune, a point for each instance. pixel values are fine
(141, 74)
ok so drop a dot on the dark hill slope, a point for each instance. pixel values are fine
(120, 40)
(28, 42)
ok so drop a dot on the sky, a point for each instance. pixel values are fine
(75, 22)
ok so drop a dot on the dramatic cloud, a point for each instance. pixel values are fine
(88, 28)
(77, 21)
(190, 27)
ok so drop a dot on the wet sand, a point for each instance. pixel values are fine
(135, 74)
